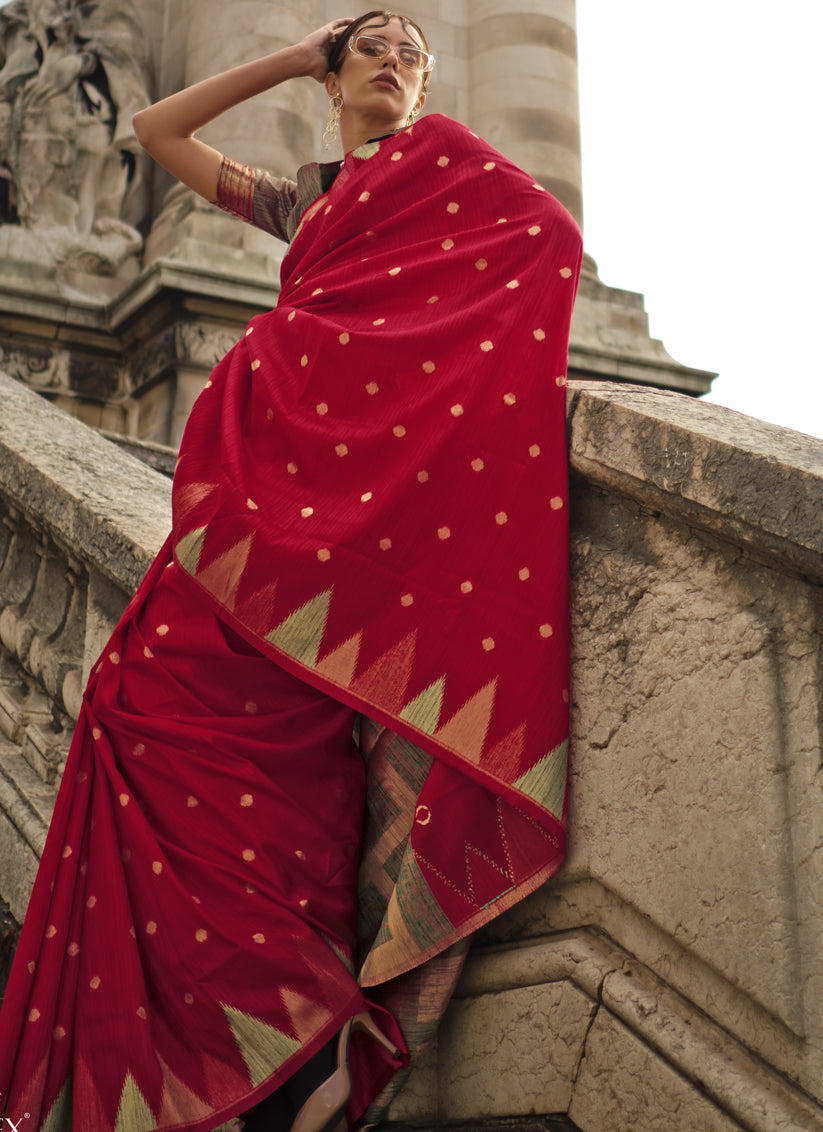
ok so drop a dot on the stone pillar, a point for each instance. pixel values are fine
(277, 129)
(523, 93)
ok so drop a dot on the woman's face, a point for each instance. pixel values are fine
(380, 88)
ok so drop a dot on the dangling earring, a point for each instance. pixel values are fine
(411, 118)
(330, 132)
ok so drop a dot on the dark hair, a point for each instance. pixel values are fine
(338, 51)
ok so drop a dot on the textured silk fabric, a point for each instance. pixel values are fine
(190, 937)
(372, 494)
(406, 548)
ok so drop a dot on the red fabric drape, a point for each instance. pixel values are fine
(406, 549)
(372, 494)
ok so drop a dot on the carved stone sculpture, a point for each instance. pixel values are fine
(71, 181)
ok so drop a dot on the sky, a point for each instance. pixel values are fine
(701, 132)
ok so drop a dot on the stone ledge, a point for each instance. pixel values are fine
(718, 1067)
(111, 510)
(737, 477)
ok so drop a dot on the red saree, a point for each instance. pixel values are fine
(371, 494)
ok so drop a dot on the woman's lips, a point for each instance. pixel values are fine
(386, 81)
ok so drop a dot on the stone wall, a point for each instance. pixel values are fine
(671, 976)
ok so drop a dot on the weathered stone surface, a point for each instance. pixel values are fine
(80, 522)
(752, 482)
(513, 1053)
(110, 509)
(624, 1087)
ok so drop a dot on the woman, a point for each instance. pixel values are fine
(369, 534)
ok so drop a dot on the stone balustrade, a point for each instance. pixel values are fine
(80, 521)
(671, 976)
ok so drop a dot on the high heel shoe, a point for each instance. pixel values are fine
(325, 1109)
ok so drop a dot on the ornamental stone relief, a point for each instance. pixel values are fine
(61, 370)
(193, 344)
(72, 183)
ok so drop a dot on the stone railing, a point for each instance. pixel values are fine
(79, 524)
(670, 978)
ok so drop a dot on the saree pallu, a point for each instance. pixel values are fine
(371, 494)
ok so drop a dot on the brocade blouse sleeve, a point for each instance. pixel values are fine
(257, 197)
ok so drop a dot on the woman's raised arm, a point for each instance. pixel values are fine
(166, 129)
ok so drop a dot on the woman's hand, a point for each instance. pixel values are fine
(319, 44)
(166, 129)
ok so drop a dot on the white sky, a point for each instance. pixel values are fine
(702, 137)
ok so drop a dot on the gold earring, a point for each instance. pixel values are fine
(411, 118)
(335, 108)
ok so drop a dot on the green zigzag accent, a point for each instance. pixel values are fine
(59, 1118)
(367, 150)
(302, 631)
(341, 955)
(188, 550)
(546, 782)
(264, 1048)
(134, 1114)
(424, 710)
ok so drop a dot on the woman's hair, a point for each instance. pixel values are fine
(339, 49)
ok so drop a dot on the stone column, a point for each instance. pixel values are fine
(276, 130)
(523, 93)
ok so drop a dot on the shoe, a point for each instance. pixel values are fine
(325, 1109)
